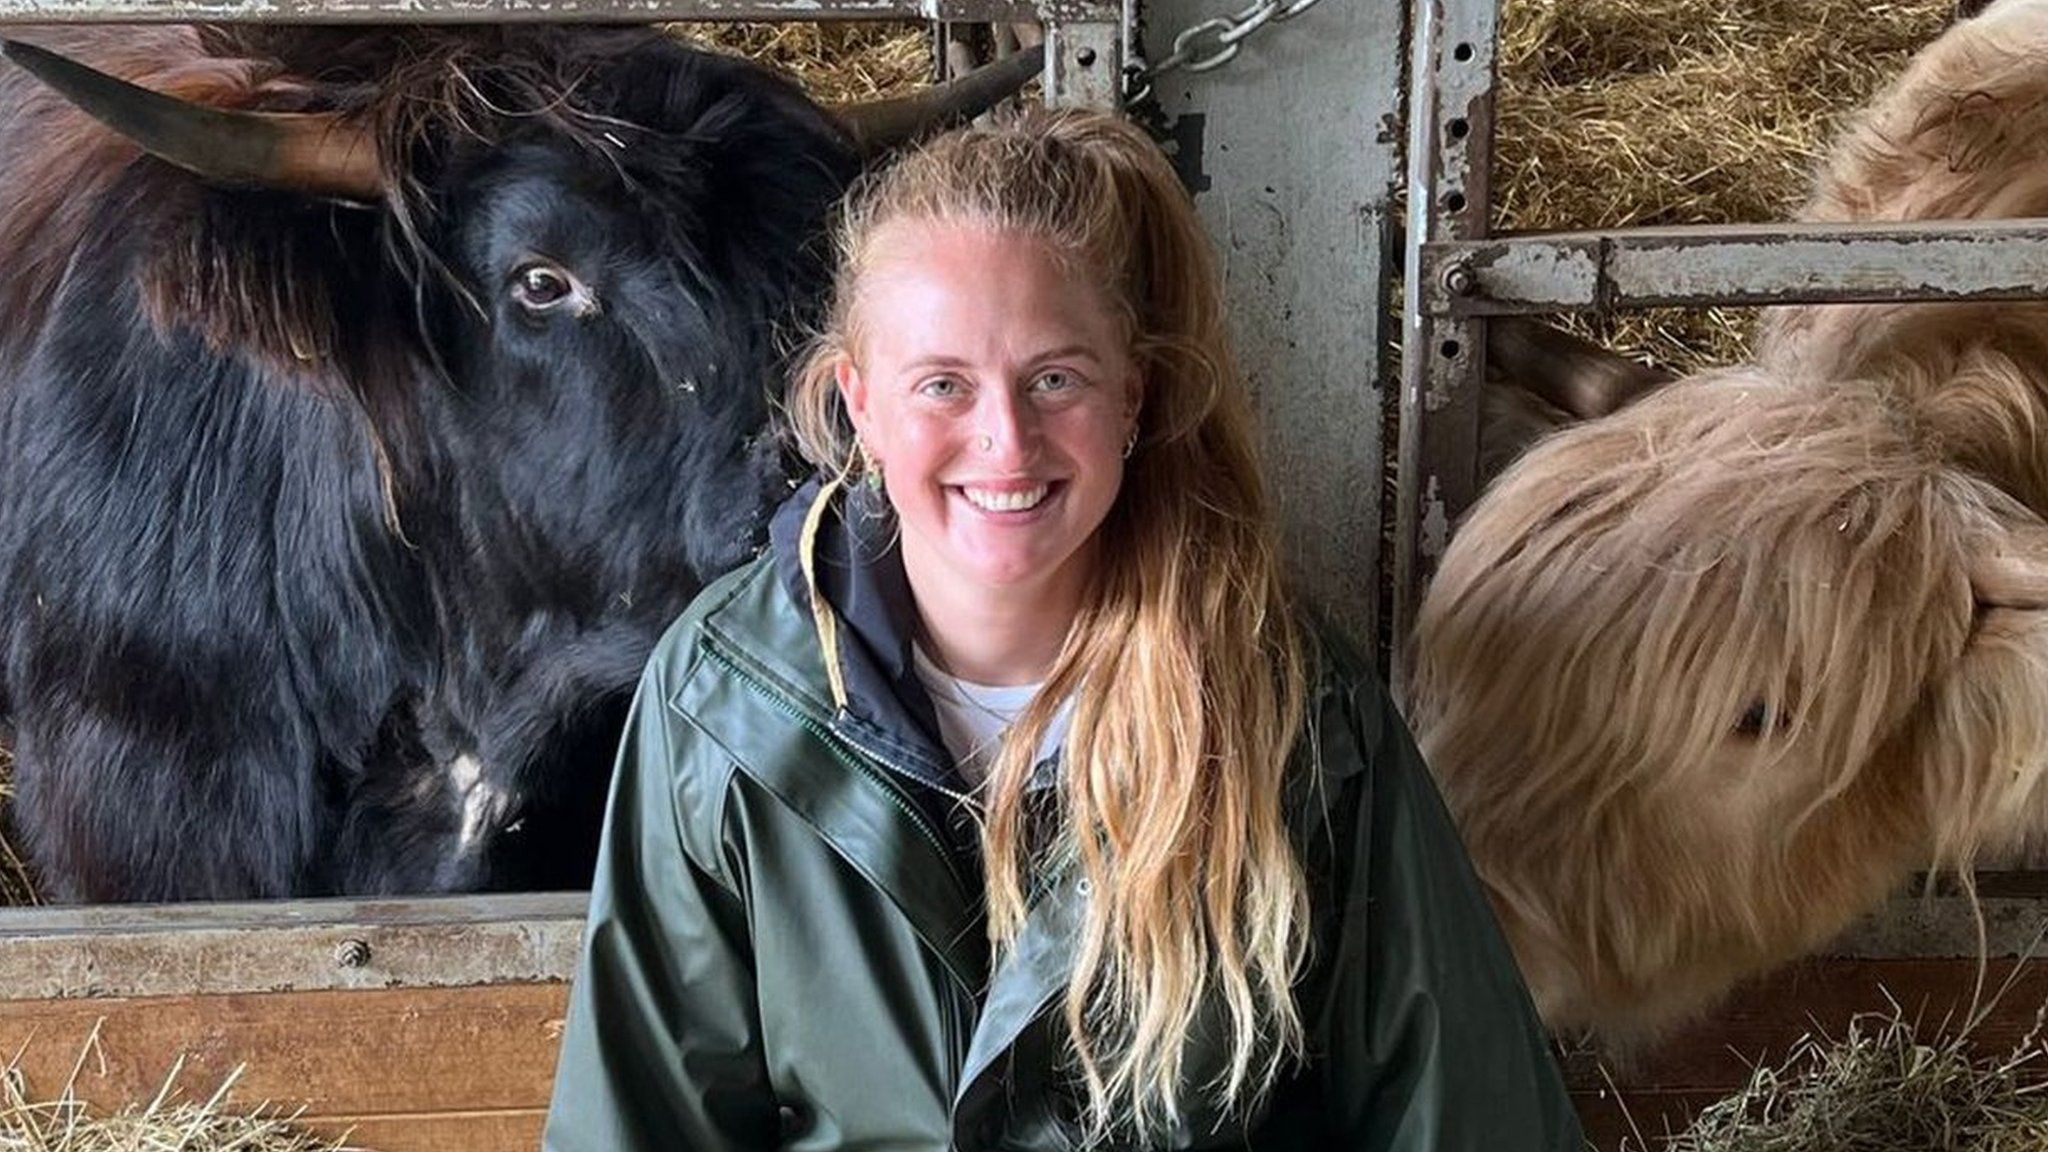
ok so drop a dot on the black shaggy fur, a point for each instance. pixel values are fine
(306, 520)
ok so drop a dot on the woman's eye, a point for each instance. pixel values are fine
(941, 387)
(1058, 380)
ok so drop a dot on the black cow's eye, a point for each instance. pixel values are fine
(543, 287)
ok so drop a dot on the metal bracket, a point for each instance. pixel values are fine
(1084, 64)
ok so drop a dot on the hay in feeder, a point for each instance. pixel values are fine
(844, 60)
(1619, 113)
(167, 1123)
(1882, 1087)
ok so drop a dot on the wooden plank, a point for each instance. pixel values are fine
(470, 909)
(1735, 264)
(437, 1132)
(1640, 1117)
(186, 949)
(2001, 922)
(356, 1054)
(2001, 885)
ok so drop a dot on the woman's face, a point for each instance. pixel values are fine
(996, 391)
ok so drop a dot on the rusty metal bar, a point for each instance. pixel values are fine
(299, 945)
(1741, 264)
(539, 11)
(1450, 146)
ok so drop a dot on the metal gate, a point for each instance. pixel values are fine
(1457, 275)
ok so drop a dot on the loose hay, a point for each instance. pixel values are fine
(165, 1124)
(846, 60)
(1649, 112)
(1881, 1088)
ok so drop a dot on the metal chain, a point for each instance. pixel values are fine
(1227, 32)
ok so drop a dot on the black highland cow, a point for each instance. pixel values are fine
(352, 459)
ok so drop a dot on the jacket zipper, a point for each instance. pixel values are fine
(874, 768)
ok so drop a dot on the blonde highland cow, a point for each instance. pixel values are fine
(1708, 678)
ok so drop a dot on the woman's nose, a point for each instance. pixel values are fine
(1009, 428)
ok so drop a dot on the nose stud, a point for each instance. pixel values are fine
(986, 443)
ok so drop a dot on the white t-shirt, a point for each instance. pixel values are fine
(973, 717)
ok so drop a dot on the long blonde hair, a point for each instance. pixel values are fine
(1184, 663)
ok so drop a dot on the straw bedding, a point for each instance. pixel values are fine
(851, 60)
(1887, 1084)
(171, 1122)
(16, 889)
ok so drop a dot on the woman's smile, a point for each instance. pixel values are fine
(1011, 502)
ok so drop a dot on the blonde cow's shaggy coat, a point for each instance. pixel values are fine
(1708, 678)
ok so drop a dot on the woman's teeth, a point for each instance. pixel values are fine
(1013, 500)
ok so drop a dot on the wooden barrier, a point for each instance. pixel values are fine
(432, 1025)
(463, 1069)
(424, 1025)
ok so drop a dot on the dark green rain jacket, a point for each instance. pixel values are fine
(786, 948)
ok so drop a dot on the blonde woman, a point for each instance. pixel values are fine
(1005, 803)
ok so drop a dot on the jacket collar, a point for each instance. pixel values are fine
(835, 549)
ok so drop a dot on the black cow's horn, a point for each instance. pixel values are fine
(883, 124)
(315, 152)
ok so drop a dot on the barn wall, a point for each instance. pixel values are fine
(1291, 150)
